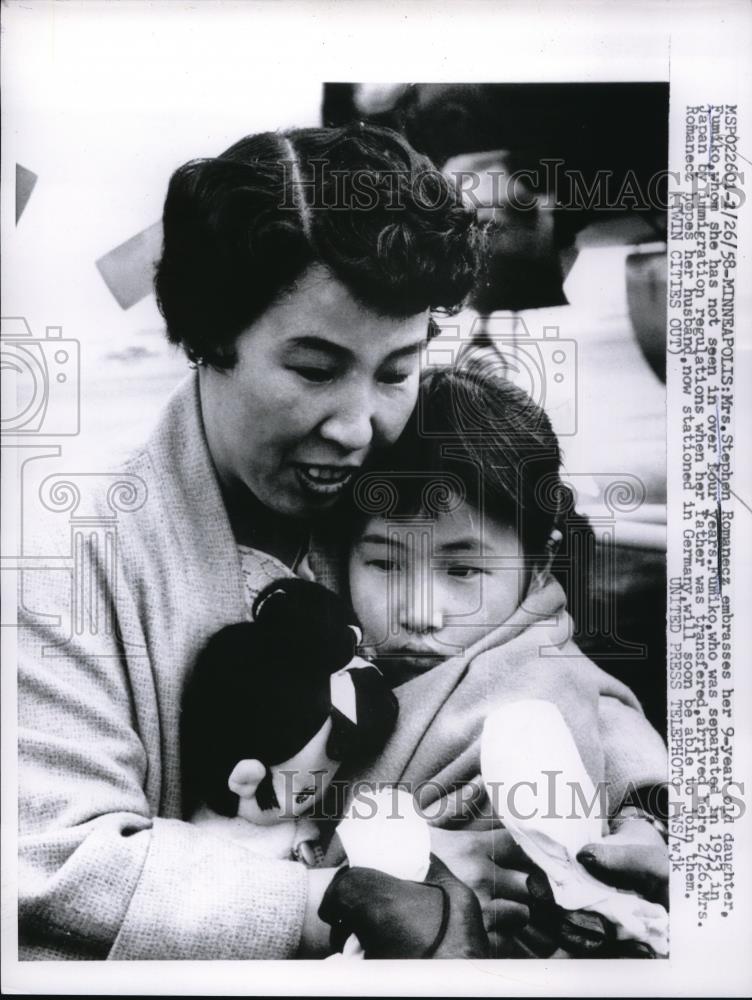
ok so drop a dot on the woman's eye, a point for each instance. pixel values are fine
(464, 572)
(394, 378)
(317, 375)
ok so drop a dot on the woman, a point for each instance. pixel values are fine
(298, 274)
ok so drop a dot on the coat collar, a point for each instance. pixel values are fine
(191, 499)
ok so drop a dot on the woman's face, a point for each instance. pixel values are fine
(319, 380)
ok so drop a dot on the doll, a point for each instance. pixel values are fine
(270, 710)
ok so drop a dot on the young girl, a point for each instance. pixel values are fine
(465, 541)
(465, 518)
(465, 549)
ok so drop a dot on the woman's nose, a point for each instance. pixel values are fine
(351, 421)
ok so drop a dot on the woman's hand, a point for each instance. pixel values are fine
(491, 863)
(487, 860)
(398, 918)
(522, 922)
(635, 857)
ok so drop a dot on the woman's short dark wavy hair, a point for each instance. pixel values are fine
(241, 227)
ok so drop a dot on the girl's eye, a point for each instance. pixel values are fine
(384, 565)
(317, 375)
(464, 572)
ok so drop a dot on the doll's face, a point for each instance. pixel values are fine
(299, 783)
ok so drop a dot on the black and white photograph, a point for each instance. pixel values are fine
(373, 531)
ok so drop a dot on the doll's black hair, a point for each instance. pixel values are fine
(260, 691)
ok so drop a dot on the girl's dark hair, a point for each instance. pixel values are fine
(476, 437)
(241, 227)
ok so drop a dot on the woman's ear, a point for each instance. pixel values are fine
(246, 776)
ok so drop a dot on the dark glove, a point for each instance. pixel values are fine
(395, 918)
(583, 933)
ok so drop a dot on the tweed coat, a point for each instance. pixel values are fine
(137, 577)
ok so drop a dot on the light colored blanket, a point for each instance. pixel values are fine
(435, 747)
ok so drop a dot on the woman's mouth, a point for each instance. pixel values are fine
(324, 480)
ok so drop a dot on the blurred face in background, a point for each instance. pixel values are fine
(319, 381)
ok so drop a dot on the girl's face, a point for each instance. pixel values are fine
(319, 380)
(425, 589)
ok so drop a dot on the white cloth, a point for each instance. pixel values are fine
(527, 745)
(383, 830)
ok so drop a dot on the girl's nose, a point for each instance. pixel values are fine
(422, 621)
(421, 606)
